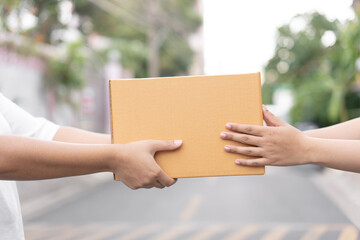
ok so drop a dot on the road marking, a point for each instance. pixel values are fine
(315, 232)
(191, 207)
(174, 232)
(339, 187)
(38, 205)
(277, 233)
(243, 232)
(164, 231)
(73, 232)
(208, 232)
(141, 231)
(349, 233)
(103, 232)
(40, 231)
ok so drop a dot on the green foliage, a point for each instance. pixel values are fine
(128, 26)
(321, 73)
(67, 71)
(172, 22)
(65, 75)
(133, 55)
(175, 58)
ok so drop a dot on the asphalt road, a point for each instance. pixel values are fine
(283, 204)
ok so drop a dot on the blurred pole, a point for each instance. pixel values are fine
(356, 5)
(113, 70)
(152, 40)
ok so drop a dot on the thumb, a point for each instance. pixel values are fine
(165, 145)
(270, 119)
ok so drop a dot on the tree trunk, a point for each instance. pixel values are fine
(153, 53)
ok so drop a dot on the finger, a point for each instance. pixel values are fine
(245, 128)
(138, 186)
(158, 145)
(252, 162)
(248, 151)
(165, 180)
(158, 184)
(270, 119)
(151, 185)
(241, 138)
(148, 186)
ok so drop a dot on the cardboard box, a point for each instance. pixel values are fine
(194, 109)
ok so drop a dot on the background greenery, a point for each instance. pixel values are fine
(320, 63)
(152, 37)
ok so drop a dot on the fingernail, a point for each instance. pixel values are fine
(264, 107)
(237, 161)
(228, 125)
(227, 148)
(223, 135)
(177, 142)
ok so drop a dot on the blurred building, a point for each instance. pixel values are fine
(21, 81)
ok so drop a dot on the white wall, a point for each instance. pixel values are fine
(21, 81)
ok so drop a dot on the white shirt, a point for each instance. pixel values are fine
(16, 121)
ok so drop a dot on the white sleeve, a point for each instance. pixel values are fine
(24, 124)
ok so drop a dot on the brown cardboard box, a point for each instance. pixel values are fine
(194, 109)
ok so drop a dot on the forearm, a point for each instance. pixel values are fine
(346, 130)
(75, 135)
(338, 154)
(29, 159)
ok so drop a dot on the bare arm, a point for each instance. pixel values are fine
(75, 135)
(24, 158)
(338, 154)
(29, 159)
(346, 130)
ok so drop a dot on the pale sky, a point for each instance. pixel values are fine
(239, 35)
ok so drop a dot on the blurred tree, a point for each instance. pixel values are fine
(152, 36)
(39, 25)
(162, 26)
(46, 15)
(318, 60)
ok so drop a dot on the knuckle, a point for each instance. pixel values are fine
(157, 173)
(255, 163)
(248, 151)
(151, 175)
(248, 129)
(244, 139)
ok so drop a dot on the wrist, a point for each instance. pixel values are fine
(115, 156)
(311, 153)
